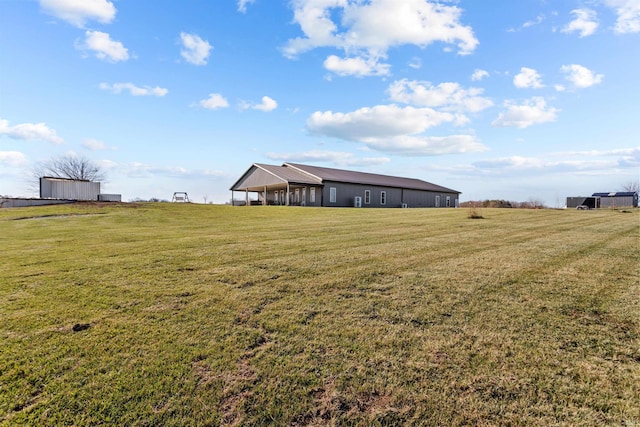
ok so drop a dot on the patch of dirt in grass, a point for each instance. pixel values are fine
(203, 371)
(237, 390)
(330, 405)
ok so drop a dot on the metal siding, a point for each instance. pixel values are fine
(110, 197)
(427, 199)
(617, 201)
(69, 189)
(346, 193)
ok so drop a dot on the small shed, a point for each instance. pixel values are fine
(619, 199)
(68, 189)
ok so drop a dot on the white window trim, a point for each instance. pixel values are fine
(333, 194)
(383, 197)
(312, 195)
(367, 197)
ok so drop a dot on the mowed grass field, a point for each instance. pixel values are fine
(219, 315)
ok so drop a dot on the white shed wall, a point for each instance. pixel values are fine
(53, 188)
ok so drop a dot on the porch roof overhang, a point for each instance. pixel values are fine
(261, 176)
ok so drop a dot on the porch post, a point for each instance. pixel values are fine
(288, 189)
(264, 201)
(246, 197)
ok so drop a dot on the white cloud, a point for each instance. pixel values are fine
(214, 102)
(340, 158)
(242, 5)
(134, 90)
(415, 63)
(371, 28)
(479, 74)
(381, 121)
(409, 145)
(358, 67)
(585, 22)
(194, 50)
(595, 162)
(390, 128)
(531, 112)
(581, 77)
(78, 12)
(103, 47)
(539, 19)
(96, 145)
(628, 12)
(528, 78)
(12, 158)
(267, 104)
(448, 96)
(30, 132)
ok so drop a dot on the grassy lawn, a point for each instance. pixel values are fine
(217, 315)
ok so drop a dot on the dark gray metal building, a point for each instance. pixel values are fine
(304, 185)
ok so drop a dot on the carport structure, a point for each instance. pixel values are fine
(279, 182)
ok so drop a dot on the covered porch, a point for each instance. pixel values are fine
(273, 195)
(275, 185)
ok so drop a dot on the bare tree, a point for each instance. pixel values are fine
(632, 186)
(71, 167)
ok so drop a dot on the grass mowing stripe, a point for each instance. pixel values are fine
(255, 316)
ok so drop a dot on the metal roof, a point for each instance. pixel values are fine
(339, 175)
(289, 175)
(260, 175)
(294, 173)
(616, 194)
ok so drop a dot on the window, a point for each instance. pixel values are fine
(312, 195)
(448, 201)
(437, 201)
(297, 195)
(276, 198)
(383, 197)
(332, 195)
(367, 197)
(304, 196)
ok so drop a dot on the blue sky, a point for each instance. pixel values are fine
(516, 100)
